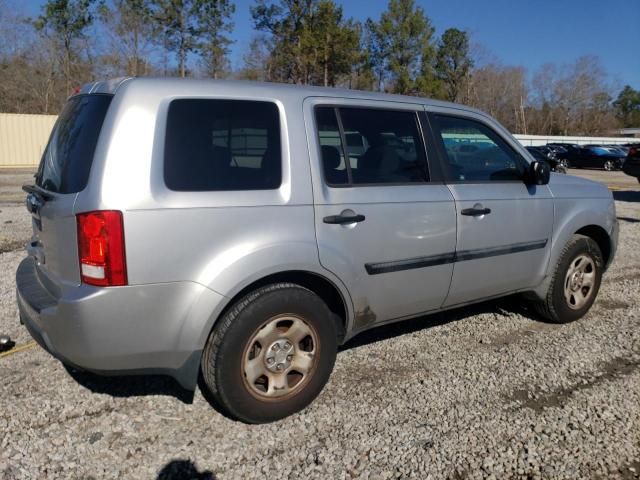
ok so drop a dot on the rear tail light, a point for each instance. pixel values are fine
(101, 248)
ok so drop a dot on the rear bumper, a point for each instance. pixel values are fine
(154, 328)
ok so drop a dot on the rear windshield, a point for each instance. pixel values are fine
(66, 161)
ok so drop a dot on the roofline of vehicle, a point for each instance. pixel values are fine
(111, 86)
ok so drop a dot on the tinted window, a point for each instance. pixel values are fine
(384, 146)
(67, 160)
(332, 154)
(476, 153)
(222, 145)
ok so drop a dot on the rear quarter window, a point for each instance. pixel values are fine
(66, 162)
(222, 145)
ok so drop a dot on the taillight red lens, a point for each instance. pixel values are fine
(101, 248)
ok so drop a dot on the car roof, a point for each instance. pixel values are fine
(111, 86)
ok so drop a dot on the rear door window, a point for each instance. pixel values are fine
(67, 160)
(370, 146)
(222, 145)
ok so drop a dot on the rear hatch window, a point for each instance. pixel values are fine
(67, 160)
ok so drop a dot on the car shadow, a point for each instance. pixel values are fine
(183, 470)
(131, 385)
(626, 196)
(629, 219)
(514, 304)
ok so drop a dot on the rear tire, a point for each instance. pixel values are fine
(271, 354)
(575, 282)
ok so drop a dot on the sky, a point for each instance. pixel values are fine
(514, 32)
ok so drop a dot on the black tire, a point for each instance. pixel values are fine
(224, 354)
(555, 307)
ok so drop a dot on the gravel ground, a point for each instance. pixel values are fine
(479, 392)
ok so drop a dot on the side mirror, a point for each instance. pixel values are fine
(539, 173)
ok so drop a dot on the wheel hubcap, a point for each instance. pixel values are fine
(280, 357)
(579, 282)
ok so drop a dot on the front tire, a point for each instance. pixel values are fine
(575, 282)
(271, 354)
(609, 165)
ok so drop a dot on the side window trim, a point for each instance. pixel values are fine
(418, 112)
(345, 152)
(430, 144)
(443, 156)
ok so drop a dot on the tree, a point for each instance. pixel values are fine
(627, 107)
(257, 60)
(214, 23)
(502, 92)
(453, 62)
(66, 22)
(177, 22)
(401, 43)
(311, 42)
(130, 25)
(329, 43)
(363, 75)
(284, 23)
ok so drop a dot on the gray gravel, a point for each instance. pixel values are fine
(480, 392)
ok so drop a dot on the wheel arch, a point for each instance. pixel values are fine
(196, 330)
(601, 237)
(584, 223)
(319, 284)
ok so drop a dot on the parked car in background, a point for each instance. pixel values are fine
(541, 154)
(224, 230)
(561, 153)
(617, 148)
(569, 152)
(632, 163)
(597, 156)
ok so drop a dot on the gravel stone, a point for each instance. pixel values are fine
(485, 391)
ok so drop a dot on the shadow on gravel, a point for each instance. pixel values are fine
(508, 305)
(626, 196)
(629, 219)
(537, 400)
(183, 470)
(132, 385)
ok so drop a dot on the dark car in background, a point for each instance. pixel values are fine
(548, 155)
(632, 163)
(598, 156)
(593, 156)
(569, 152)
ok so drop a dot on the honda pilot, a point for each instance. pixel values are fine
(243, 231)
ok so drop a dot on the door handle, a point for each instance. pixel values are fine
(475, 212)
(343, 219)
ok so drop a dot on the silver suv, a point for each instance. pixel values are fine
(245, 230)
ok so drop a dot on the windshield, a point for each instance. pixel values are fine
(65, 163)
